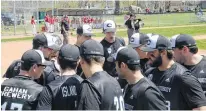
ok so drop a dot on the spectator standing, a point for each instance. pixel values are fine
(47, 24)
(33, 23)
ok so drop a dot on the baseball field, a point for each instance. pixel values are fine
(13, 46)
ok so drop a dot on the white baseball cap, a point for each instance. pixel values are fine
(109, 26)
(157, 42)
(150, 34)
(85, 30)
(49, 40)
(138, 39)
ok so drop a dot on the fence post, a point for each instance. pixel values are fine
(14, 18)
(37, 15)
(158, 20)
(52, 7)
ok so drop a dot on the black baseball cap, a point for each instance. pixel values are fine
(91, 47)
(127, 55)
(52, 41)
(138, 39)
(33, 56)
(182, 40)
(157, 42)
(85, 30)
(69, 52)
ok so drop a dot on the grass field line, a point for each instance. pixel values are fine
(124, 29)
(162, 27)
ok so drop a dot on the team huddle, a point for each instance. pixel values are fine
(152, 72)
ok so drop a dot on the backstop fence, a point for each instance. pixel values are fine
(16, 15)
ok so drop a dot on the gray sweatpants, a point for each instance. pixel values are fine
(66, 38)
(130, 32)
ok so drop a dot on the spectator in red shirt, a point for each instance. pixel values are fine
(85, 19)
(92, 20)
(46, 19)
(52, 24)
(33, 23)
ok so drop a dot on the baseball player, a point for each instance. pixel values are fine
(84, 33)
(62, 93)
(140, 93)
(137, 25)
(48, 44)
(137, 41)
(47, 24)
(181, 90)
(110, 44)
(33, 23)
(130, 26)
(185, 52)
(99, 91)
(21, 92)
(65, 29)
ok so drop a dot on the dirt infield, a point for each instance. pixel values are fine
(14, 50)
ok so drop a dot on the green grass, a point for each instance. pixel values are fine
(20, 29)
(201, 44)
(16, 39)
(163, 19)
(168, 32)
(195, 30)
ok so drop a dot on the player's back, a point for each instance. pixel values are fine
(106, 90)
(19, 93)
(65, 92)
(144, 95)
(199, 71)
(179, 87)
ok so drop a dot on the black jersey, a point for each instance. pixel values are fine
(110, 49)
(60, 94)
(181, 90)
(128, 23)
(13, 69)
(143, 95)
(55, 66)
(20, 93)
(47, 76)
(100, 92)
(79, 70)
(199, 71)
(144, 65)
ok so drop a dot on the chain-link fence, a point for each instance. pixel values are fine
(16, 15)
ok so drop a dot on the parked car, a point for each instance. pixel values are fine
(8, 19)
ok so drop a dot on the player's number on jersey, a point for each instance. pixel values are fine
(119, 103)
(168, 105)
(14, 106)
